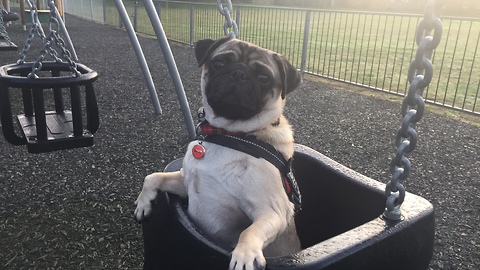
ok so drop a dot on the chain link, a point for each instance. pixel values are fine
(230, 27)
(420, 74)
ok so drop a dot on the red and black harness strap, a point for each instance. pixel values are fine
(259, 149)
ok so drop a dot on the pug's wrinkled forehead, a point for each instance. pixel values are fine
(247, 53)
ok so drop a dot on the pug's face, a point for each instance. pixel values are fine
(241, 80)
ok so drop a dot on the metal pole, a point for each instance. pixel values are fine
(22, 15)
(104, 12)
(238, 18)
(140, 56)
(63, 10)
(65, 32)
(6, 5)
(192, 24)
(172, 67)
(135, 16)
(158, 7)
(305, 43)
(91, 11)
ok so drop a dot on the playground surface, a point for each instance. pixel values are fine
(73, 209)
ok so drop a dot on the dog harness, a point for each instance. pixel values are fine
(250, 145)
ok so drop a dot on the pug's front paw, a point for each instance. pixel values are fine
(247, 258)
(144, 204)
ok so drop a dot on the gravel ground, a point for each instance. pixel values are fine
(72, 209)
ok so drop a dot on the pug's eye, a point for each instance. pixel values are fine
(218, 64)
(263, 79)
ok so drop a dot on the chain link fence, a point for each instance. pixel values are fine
(370, 49)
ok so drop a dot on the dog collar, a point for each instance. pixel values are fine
(204, 128)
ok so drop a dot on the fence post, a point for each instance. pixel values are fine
(158, 8)
(192, 24)
(81, 8)
(91, 11)
(305, 43)
(135, 17)
(104, 12)
(237, 19)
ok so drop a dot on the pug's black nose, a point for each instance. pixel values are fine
(239, 75)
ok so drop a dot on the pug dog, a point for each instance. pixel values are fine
(237, 198)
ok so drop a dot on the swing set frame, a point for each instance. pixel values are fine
(352, 230)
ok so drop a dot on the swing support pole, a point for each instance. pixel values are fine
(140, 56)
(172, 66)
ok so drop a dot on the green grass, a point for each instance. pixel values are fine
(373, 49)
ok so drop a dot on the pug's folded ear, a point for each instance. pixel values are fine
(291, 78)
(205, 47)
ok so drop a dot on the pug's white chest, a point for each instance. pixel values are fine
(224, 187)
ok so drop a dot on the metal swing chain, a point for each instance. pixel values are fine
(3, 31)
(420, 74)
(230, 27)
(47, 42)
(59, 40)
(28, 42)
(35, 29)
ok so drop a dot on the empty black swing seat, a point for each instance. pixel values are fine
(45, 131)
(5, 43)
(10, 16)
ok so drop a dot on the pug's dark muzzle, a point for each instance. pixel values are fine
(234, 93)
